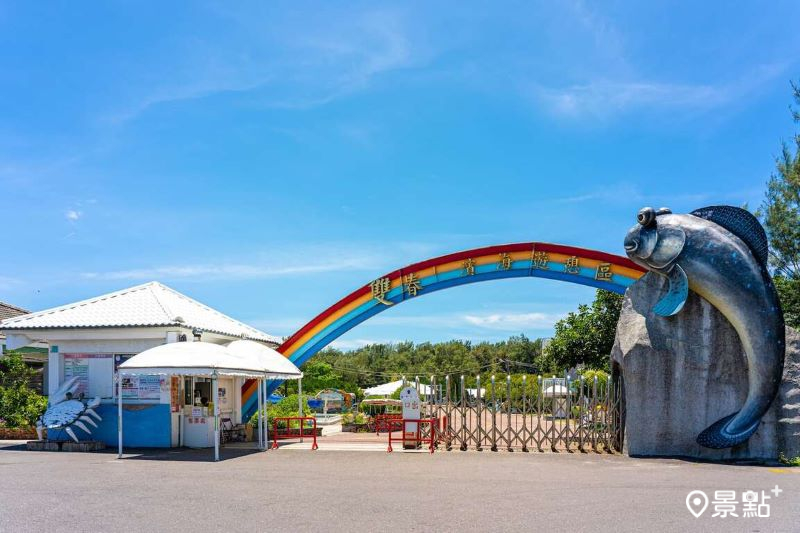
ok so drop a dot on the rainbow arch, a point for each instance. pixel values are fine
(517, 260)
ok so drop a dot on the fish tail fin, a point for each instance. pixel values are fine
(717, 437)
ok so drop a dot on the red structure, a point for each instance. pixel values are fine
(418, 438)
(301, 422)
(386, 422)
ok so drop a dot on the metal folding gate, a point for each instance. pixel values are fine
(532, 413)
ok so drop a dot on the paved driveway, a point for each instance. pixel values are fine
(299, 490)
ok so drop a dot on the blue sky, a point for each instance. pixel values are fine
(267, 159)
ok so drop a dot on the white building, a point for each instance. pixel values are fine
(91, 338)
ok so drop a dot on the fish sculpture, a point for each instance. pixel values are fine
(64, 412)
(720, 253)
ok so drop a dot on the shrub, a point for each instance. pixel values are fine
(20, 405)
(794, 461)
(285, 407)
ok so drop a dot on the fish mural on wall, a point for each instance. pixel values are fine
(720, 252)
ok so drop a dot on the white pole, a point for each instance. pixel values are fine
(299, 405)
(260, 415)
(119, 415)
(182, 411)
(215, 395)
(300, 397)
(266, 417)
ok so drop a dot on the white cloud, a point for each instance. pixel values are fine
(621, 193)
(337, 53)
(7, 283)
(236, 271)
(507, 321)
(514, 321)
(601, 97)
(354, 344)
(283, 261)
(73, 215)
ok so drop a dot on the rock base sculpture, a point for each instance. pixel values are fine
(682, 373)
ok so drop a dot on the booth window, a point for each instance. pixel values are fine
(188, 391)
(197, 391)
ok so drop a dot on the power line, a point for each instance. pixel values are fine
(408, 372)
(363, 372)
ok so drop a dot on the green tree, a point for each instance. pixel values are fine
(789, 292)
(780, 213)
(20, 405)
(586, 336)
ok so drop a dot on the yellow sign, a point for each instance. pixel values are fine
(380, 288)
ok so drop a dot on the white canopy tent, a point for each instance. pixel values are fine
(384, 389)
(278, 365)
(555, 391)
(204, 359)
(387, 389)
(279, 368)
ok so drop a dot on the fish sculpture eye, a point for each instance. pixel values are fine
(646, 216)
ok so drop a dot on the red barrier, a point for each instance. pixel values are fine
(385, 422)
(301, 428)
(431, 439)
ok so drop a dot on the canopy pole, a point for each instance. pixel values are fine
(266, 416)
(299, 406)
(260, 416)
(119, 415)
(182, 412)
(215, 395)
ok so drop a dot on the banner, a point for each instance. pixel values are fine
(77, 365)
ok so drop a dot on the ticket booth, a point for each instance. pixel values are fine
(197, 410)
(206, 381)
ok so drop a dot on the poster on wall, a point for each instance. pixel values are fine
(139, 387)
(130, 387)
(222, 392)
(77, 365)
(93, 373)
(175, 394)
(119, 359)
(149, 387)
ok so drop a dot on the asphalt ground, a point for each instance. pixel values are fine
(300, 490)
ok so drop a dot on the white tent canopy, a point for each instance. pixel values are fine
(278, 366)
(192, 359)
(555, 390)
(243, 358)
(387, 389)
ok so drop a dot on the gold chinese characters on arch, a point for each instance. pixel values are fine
(380, 289)
(603, 272)
(540, 260)
(504, 263)
(411, 285)
(572, 265)
(468, 267)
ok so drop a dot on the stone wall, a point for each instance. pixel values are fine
(683, 373)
